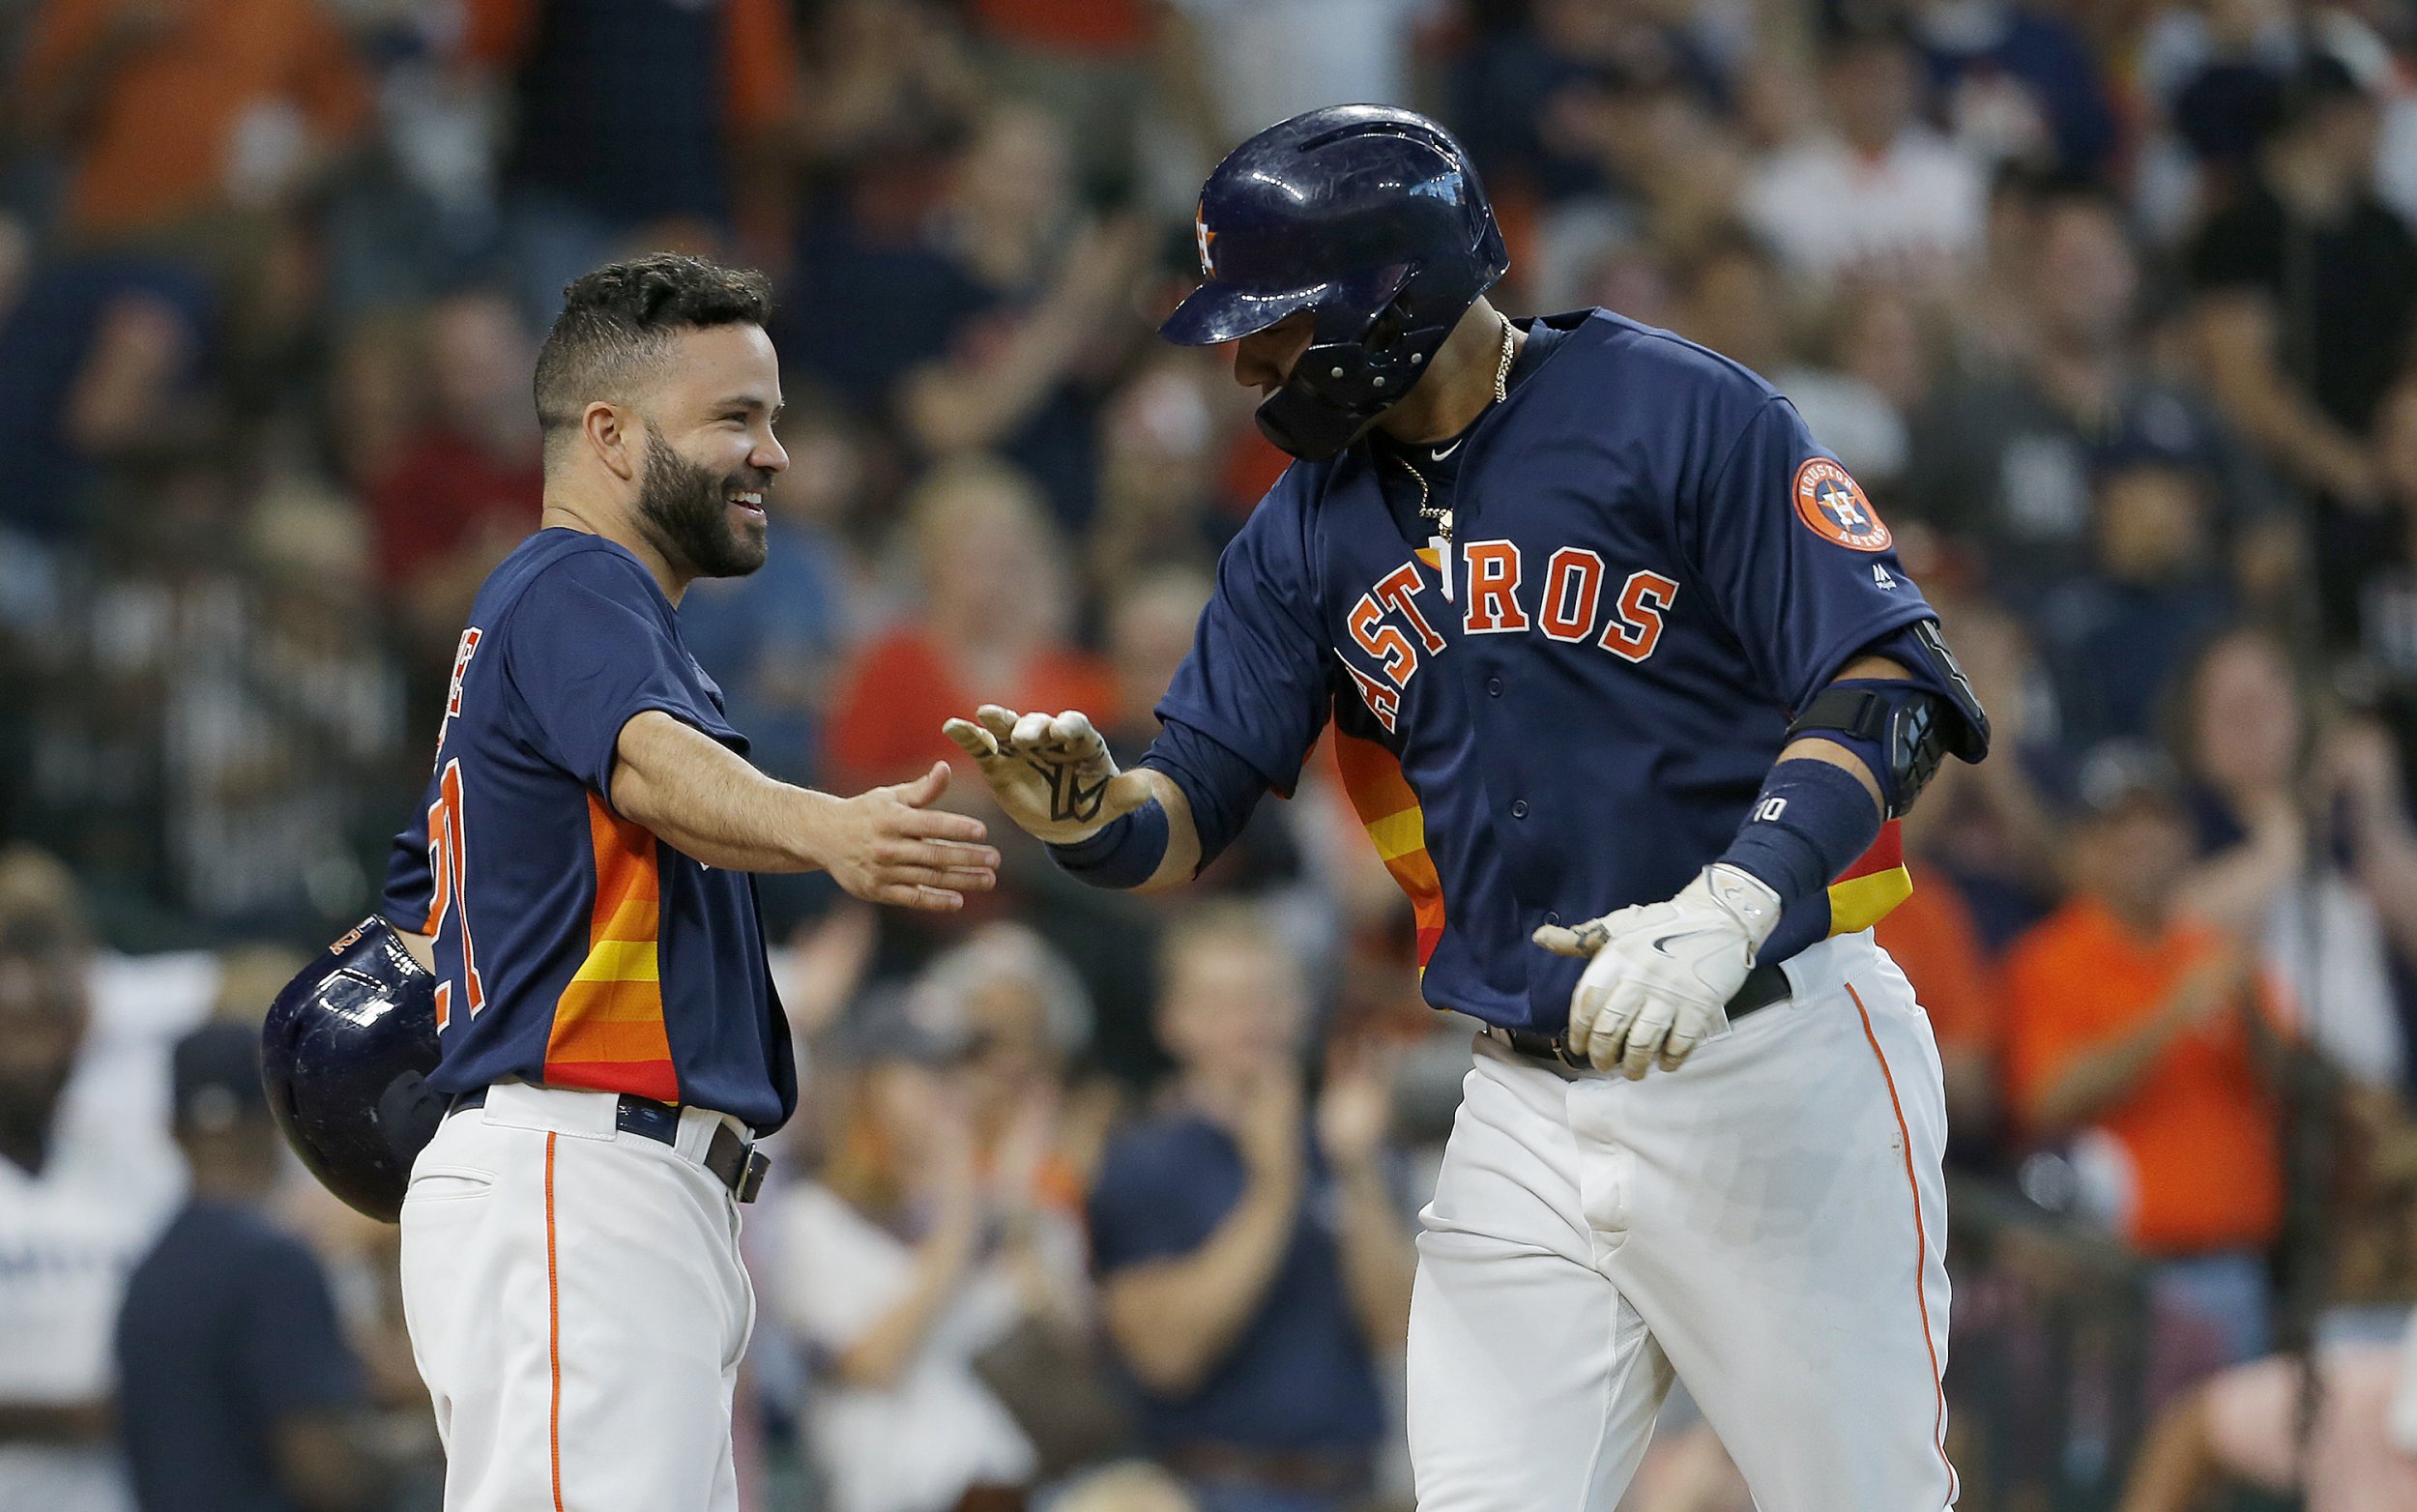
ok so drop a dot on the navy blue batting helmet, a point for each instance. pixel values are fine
(1367, 215)
(345, 1056)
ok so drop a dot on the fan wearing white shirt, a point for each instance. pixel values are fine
(1876, 194)
(897, 1270)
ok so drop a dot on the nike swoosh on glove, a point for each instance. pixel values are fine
(1660, 975)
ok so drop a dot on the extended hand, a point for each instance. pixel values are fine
(1052, 777)
(889, 845)
(1662, 975)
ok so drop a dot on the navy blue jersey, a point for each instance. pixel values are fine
(573, 949)
(1568, 708)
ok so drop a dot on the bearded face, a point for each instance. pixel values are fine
(709, 522)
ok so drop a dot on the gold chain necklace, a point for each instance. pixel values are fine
(1441, 515)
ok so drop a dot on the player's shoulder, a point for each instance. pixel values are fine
(1662, 367)
(556, 560)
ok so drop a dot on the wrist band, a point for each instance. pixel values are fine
(1810, 823)
(1125, 853)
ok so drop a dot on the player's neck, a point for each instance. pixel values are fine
(1459, 384)
(565, 509)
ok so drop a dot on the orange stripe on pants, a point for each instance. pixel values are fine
(553, 1328)
(1921, 1243)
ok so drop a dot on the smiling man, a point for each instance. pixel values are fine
(579, 884)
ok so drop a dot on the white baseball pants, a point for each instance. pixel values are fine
(577, 1308)
(1767, 1222)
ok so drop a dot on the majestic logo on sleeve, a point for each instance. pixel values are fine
(1832, 505)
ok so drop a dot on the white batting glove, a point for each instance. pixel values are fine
(1660, 975)
(1051, 775)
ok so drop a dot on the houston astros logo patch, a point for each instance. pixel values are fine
(1205, 238)
(1832, 504)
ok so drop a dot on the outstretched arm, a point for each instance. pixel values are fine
(887, 845)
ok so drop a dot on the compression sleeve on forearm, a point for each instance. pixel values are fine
(1809, 824)
(1220, 786)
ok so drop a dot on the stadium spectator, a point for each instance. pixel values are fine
(2243, 1429)
(2116, 632)
(103, 361)
(993, 611)
(2139, 1031)
(2387, 593)
(87, 1176)
(903, 1265)
(2305, 849)
(467, 483)
(637, 123)
(1094, 64)
(1047, 291)
(2308, 295)
(1874, 193)
(1253, 1266)
(1530, 103)
(2015, 82)
(1247, 63)
(1023, 1018)
(239, 1392)
(2005, 457)
(178, 116)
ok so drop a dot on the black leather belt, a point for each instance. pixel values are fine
(1766, 985)
(735, 1162)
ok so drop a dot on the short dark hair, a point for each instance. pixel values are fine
(623, 316)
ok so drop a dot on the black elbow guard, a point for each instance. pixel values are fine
(1902, 727)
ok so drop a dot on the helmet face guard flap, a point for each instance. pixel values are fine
(1367, 217)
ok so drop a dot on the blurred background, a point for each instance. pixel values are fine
(2107, 304)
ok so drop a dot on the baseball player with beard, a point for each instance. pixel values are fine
(1629, 688)
(579, 884)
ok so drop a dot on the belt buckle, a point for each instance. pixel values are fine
(752, 1177)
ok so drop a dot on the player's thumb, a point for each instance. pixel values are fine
(926, 790)
(1560, 940)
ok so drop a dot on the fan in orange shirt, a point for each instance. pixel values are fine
(2147, 1024)
(994, 613)
(175, 108)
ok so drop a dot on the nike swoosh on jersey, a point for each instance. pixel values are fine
(1437, 456)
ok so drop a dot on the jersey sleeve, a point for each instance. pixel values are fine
(1255, 682)
(586, 655)
(1795, 560)
(409, 884)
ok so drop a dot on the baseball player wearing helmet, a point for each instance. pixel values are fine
(609, 1037)
(1629, 688)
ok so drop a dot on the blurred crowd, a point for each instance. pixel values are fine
(2107, 304)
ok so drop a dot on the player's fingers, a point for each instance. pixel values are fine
(939, 823)
(952, 879)
(922, 899)
(1031, 730)
(1073, 728)
(1677, 1048)
(999, 722)
(939, 854)
(1646, 1037)
(1557, 940)
(972, 739)
(924, 789)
